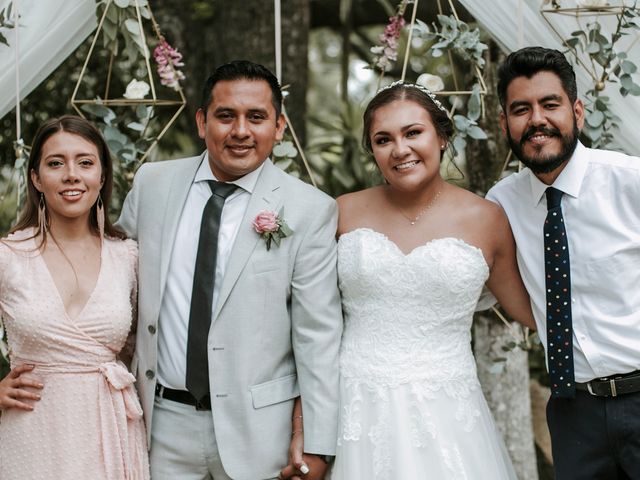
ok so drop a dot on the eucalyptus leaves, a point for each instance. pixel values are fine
(453, 35)
(603, 58)
(124, 21)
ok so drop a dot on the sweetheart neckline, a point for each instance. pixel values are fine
(418, 247)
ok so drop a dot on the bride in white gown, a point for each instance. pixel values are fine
(413, 257)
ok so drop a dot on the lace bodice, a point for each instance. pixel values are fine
(408, 317)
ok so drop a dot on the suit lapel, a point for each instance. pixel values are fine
(176, 198)
(265, 196)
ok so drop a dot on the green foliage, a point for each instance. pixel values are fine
(467, 126)
(609, 65)
(127, 136)
(337, 155)
(284, 155)
(121, 27)
(6, 22)
(453, 35)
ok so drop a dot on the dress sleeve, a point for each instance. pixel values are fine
(5, 258)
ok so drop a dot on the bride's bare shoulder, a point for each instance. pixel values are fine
(356, 208)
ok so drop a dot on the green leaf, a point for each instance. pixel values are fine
(111, 133)
(593, 48)
(477, 133)
(138, 127)
(628, 67)
(595, 118)
(474, 105)
(461, 122)
(133, 26)
(601, 105)
(459, 143)
(283, 164)
(98, 110)
(626, 81)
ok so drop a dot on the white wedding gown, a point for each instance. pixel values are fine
(411, 405)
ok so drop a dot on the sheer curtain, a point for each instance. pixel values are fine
(50, 30)
(503, 21)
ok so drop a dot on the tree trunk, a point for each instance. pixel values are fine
(506, 387)
(505, 384)
(218, 32)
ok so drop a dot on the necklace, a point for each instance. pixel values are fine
(415, 219)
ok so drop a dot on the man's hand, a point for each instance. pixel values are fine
(317, 468)
(16, 389)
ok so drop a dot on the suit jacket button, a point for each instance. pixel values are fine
(149, 374)
(152, 329)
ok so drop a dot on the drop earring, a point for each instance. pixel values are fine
(42, 215)
(100, 216)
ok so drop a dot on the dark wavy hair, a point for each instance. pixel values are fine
(528, 61)
(405, 91)
(242, 70)
(85, 129)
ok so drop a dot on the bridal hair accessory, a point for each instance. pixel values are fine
(100, 216)
(272, 227)
(422, 88)
(42, 214)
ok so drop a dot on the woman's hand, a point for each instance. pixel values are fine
(13, 390)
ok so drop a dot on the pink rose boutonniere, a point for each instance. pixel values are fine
(272, 227)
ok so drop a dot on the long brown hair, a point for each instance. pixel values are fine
(85, 129)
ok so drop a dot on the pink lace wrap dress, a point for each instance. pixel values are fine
(88, 423)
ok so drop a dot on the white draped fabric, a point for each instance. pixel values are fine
(50, 30)
(511, 22)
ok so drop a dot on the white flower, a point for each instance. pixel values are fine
(432, 82)
(592, 3)
(137, 90)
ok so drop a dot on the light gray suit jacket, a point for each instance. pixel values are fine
(276, 329)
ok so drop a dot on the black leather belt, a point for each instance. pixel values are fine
(183, 396)
(612, 386)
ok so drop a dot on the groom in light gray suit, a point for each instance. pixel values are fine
(276, 320)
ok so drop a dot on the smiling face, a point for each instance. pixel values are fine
(240, 127)
(69, 175)
(405, 144)
(540, 122)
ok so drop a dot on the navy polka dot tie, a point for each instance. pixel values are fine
(558, 286)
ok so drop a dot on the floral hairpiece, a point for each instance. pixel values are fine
(422, 88)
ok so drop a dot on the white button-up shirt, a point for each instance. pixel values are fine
(176, 301)
(601, 210)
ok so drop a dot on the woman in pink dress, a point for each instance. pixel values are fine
(67, 297)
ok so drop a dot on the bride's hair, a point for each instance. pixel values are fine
(406, 91)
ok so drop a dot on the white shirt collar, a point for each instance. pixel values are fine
(570, 179)
(246, 183)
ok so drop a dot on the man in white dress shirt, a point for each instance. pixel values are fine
(232, 327)
(594, 318)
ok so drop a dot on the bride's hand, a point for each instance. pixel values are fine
(296, 464)
(12, 389)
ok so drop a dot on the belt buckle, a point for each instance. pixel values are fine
(612, 388)
(160, 390)
(614, 393)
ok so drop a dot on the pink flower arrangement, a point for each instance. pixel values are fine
(272, 227)
(387, 51)
(168, 60)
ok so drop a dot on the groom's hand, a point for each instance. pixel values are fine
(317, 468)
